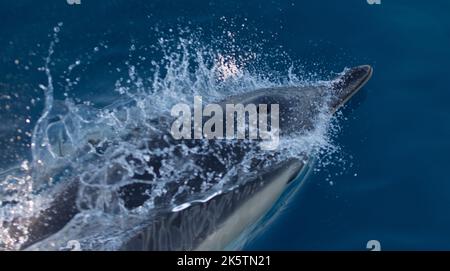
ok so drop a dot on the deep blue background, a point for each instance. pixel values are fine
(398, 131)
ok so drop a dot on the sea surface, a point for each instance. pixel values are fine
(388, 181)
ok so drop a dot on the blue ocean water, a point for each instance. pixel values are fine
(394, 187)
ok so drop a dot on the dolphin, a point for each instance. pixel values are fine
(210, 223)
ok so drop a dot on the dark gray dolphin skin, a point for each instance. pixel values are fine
(212, 224)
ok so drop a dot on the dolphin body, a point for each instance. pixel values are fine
(214, 222)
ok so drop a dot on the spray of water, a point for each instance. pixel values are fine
(104, 149)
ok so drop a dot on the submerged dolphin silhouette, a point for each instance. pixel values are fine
(212, 223)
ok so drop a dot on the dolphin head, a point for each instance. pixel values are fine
(299, 107)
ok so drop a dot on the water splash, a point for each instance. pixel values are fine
(105, 148)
